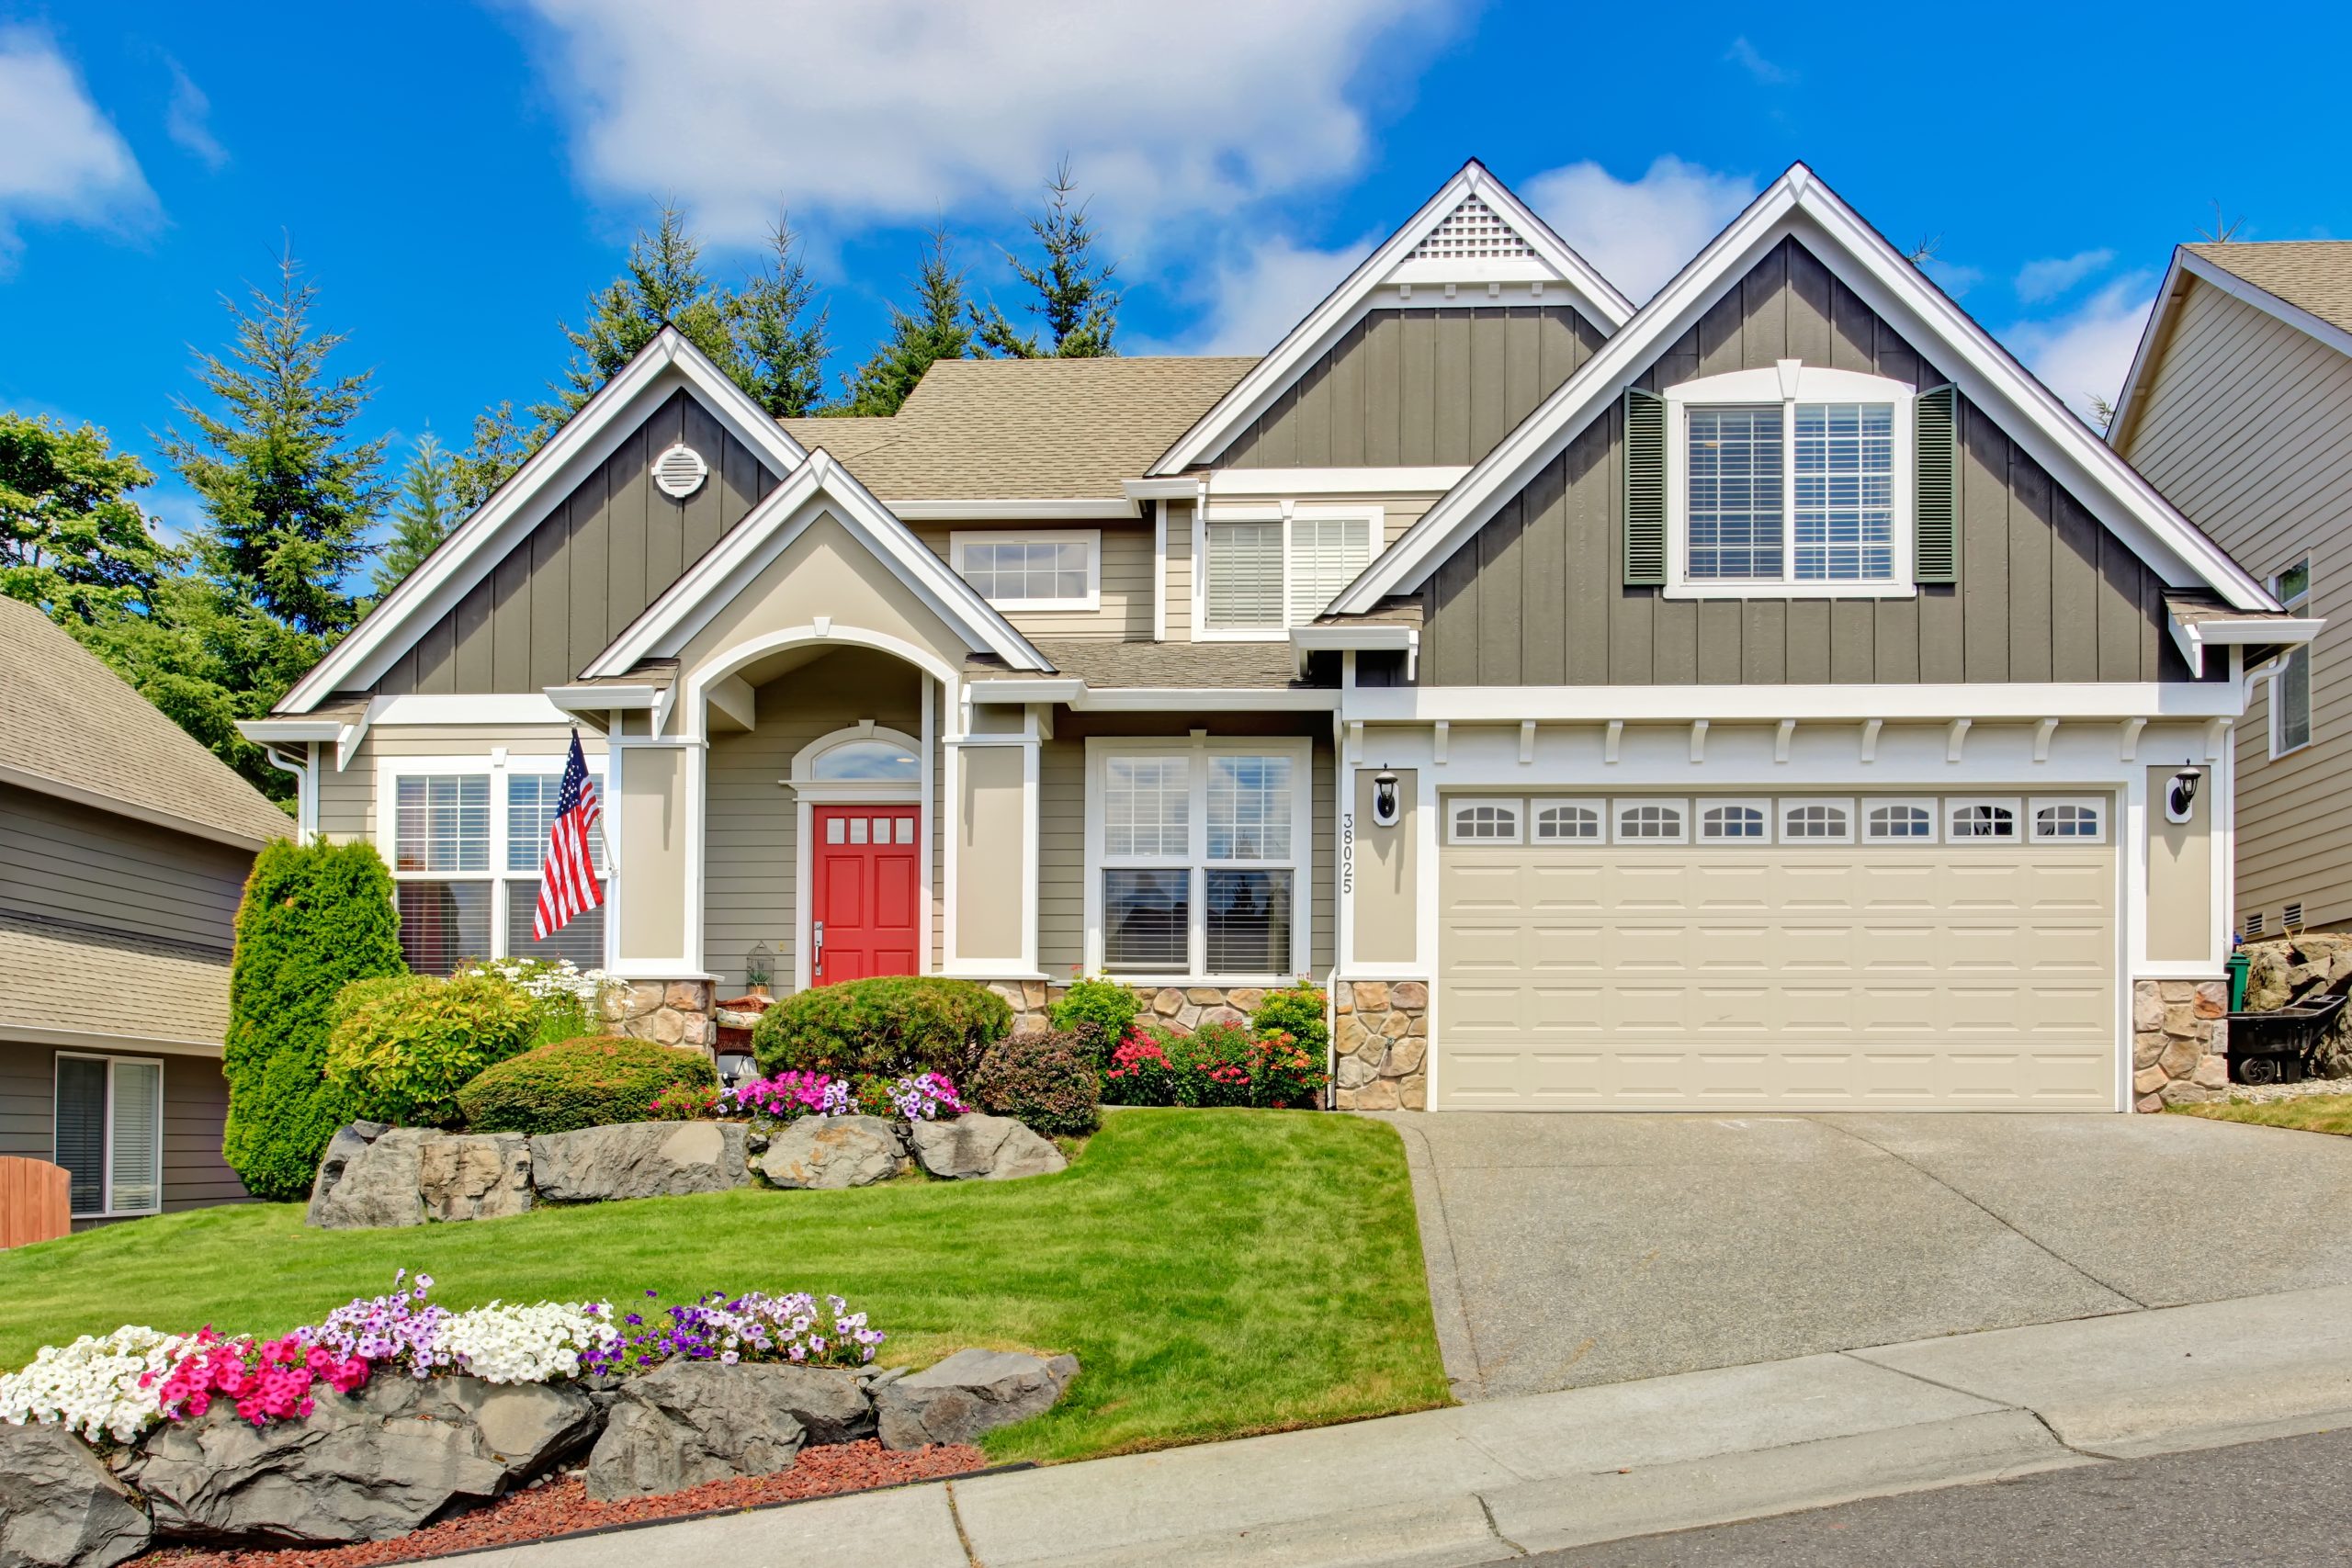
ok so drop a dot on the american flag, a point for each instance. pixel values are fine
(568, 882)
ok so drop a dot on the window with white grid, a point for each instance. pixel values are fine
(1484, 822)
(1818, 821)
(1326, 554)
(2069, 821)
(1652, 822)
(1735, 821)
(466, 847)
(1899, 821)
(1978, 821)
(1061, 569)
(1567, 822)
(1263, 573)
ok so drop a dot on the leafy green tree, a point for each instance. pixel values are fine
(1075, 299)
(934, 330)
(72, 541)
(314, 918)
(423, 512)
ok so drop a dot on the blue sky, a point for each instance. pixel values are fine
(457, 178)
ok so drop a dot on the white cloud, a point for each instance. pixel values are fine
(1744, 54)
(1638, 232)
(1255, 293)
(2050, 277)
(64, 161)
(188, 119)
(2085, 354)
(905, 108)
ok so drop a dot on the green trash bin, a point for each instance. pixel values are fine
(2237, 965)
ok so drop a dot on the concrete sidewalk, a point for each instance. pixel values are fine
(1506, 1477)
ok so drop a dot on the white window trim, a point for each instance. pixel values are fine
(2278, 748)
(2096, 804)
(1786, 384)
(499, 766)
(1928, 803)
(850, 792)
(961, 539)
(1705, 803)
(1375, 515)
(1597, 806)
(1620, 805)
(1953, 804)
(1300, 863)
(105, 1157)
(1520, 827)
(1790, 804)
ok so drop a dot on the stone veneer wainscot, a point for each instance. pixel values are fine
(2179, 1041)
(672, 1013)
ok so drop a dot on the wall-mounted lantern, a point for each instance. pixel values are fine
(759, 968)
(1384, 808)
(2181, 794)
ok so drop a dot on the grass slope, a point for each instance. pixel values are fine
(2312, 1113)
(1217, 1272)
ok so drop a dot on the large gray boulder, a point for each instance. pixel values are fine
(60, 1507)
(988, 1148)
(474, 1176)
(361, 1467)
(834, 1151)
(369, 1179)
(970, 1393)
(688, 1422)
(643, 1159)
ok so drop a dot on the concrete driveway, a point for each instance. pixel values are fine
(1571, 1250)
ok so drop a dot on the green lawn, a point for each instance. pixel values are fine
(2312, 1113)
(1217, 1272)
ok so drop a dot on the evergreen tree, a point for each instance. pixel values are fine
(71, 540)
(1079, 307)
(423, 512)
(780, 346)
(932, 330)
(663, 281)
(499, 447)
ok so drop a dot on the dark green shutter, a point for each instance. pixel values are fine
(1935, 515)
(1645, 488)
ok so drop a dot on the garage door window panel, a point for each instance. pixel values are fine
(1899, 821)
(1567, 822)
(1485, 822)
(2071, 821)
(1736, 822)
(1975, 821)
(1646, 821)
(1816, 821)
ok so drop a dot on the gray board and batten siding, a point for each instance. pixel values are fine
(1537, 597)
(1417, 388)
(591, 567)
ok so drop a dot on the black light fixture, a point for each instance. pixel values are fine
(2181, 794)
(1384, 808)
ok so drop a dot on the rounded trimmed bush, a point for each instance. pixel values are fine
(593, 1081)
(887, 1026)
(402, 1045)
(1106, 1007)
(1048, 1080)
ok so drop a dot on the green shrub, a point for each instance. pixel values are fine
(1049, 1080)
(1104, 1006)
(402, 1047)
(314, 919)
(889, 1027)
(1295, 1010)
(1219, 1064)
(593, 1081)
(569, 1000)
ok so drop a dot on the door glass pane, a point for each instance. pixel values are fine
(905, 832)
(1146, 917)
(581, 938)
(833, 830)
(81, 1141)
(444, 923)
(442, 823)
(1248, 923)
(857, 829)
(1244, 577)
(138, 1133)
(1145, 803)
(1734, 492)
(1845, 493)
(863, 761)
(1250, 802)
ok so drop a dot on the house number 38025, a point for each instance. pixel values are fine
(1347, 852)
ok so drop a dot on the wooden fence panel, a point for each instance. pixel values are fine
(36, 1200)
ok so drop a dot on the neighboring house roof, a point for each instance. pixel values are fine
(2307, 284)
(58, 979)
(71, 726)
(1025, 429)
(1986, 374)
(2315, 274)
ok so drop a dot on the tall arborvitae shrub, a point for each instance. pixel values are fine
(314, 919)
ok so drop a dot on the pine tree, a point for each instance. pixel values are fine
(662, 282)
(72, 541)
(934, 331)
(1080, 307)
(781, 346)
(499, 447)
(422, 514)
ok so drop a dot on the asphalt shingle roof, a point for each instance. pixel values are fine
(2314, 274)
(56, 976)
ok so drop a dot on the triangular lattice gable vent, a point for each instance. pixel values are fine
(1473, 231)
(1477, 244)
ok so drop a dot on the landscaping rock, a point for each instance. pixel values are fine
(60, 1507)
(644, 1159)
(369, 1179)
(362, 1467)
(476, 1175)
(688, 1422)
(833, 1152)
(992, 1148)
(970, 1393)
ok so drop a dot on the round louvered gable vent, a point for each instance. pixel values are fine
(680, 471)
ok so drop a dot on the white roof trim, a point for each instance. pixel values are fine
(820, 485)
(467, 555)
(2194, 637)
(1590, 292)
(1081, 698)
(1860, 257)
(2187, 263)
(1050, 510)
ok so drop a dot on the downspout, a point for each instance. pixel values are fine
(302, 772)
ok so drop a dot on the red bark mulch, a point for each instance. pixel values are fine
(562, 1507)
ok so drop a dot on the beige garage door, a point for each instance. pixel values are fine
(1700, 953)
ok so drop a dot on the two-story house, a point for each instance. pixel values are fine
(1768, 697)
(124, 847)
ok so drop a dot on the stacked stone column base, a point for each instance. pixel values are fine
(1382, 1036)
(2179, 1042)
(671, 1012)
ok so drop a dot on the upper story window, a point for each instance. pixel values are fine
(1794, 481)
(1058, 568)
(2291, 693)
(1263, 572)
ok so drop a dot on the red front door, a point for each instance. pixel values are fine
(867, 892)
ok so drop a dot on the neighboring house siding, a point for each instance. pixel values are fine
(2046, 593)
(1413, 386)
(2246, 426)
(604, 554)
(1126, 611)
(63, 860)
(196, 1101)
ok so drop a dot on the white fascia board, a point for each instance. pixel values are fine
(1797, 203)
(1081, 697)
(1046, 511)
(262, 731)
(40, 783)
(1183, 487)
(112, 1043)
(1265, 380)
(586, 438)
(2168, 297)
(1358, 637)
(2025, 702)
(819, 486)
(1432, 479)
(2193, 637)
(602, 699)
(483, 708)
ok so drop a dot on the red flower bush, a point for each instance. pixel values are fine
(269, 1380)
